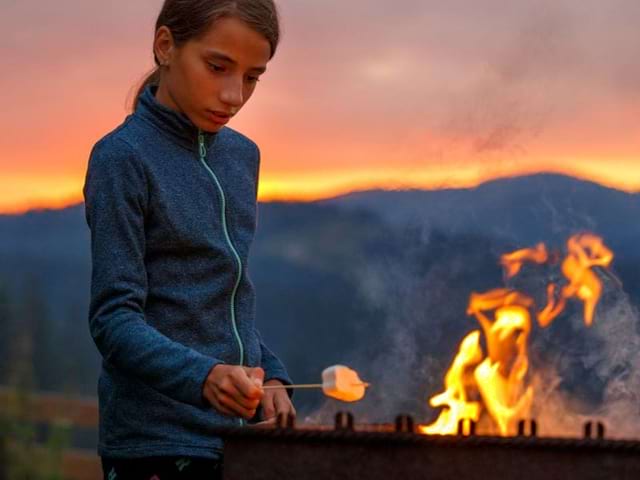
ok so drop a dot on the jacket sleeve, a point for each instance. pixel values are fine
(272, 366)
(115, 193)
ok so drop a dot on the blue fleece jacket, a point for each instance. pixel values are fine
(172, 213)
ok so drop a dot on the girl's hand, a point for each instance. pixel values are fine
(234, 390)
(275, 402)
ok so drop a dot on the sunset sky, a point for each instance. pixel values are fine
(361, 94)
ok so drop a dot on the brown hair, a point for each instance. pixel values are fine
(189, 19)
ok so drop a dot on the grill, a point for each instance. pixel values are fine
(385, 451)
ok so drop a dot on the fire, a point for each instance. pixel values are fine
(498, 383)
(586, 251)
(455, 399)
(512, 262)
(501, 376)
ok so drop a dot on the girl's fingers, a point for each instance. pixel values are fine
(230, 412)
(229, 389)
(266, 423)
(246, 386)
(283, 404)
(268, 406)
(209, 394)
(230, 403)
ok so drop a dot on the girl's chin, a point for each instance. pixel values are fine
(209, 127)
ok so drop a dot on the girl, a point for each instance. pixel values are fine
(170, 199)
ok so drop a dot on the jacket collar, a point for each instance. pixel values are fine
(175, 125)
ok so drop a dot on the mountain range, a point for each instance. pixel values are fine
(378, 280)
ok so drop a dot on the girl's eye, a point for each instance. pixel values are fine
(216, 68)
(253, 79)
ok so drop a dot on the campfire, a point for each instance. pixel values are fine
(490, 382)
(495, 382)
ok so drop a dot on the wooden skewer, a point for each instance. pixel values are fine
(308, 385)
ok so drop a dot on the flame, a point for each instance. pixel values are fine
(455, 399)
(501, 376)
(512, 262)
(500, 379)
(585, 251)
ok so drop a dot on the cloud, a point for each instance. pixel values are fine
(421, 83)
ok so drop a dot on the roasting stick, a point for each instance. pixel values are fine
(302, 385)
(310, 385)
(338, 382)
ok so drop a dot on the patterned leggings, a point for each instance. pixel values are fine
(161, 468)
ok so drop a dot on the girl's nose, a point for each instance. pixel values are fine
(232, 93)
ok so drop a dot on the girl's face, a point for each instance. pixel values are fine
(210, 78)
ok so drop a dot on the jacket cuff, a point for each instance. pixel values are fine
(203, 371)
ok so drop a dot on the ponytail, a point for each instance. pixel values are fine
(152, 78)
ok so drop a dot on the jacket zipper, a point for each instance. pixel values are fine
(203, 154)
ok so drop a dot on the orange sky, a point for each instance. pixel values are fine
(425, 95)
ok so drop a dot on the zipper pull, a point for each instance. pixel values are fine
(203, 148)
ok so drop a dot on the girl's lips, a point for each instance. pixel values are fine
(217, 117)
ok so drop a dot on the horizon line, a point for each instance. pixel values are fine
(35, 207)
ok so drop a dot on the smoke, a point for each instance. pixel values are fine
(392, 360)
(579, 374)
(585, 373)
(582, 373)
(609, 359)
(514, 95)
(423, 293)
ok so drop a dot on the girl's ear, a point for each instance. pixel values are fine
(163, 46)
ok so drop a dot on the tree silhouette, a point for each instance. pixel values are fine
(38, 335)
(6, 327)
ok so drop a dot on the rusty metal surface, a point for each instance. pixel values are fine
(346, 453)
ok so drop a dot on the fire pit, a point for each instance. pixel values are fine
(489, 384)
(350, 451)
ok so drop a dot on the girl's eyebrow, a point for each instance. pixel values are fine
(225, 58)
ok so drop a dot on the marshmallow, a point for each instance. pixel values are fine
(342, 383)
